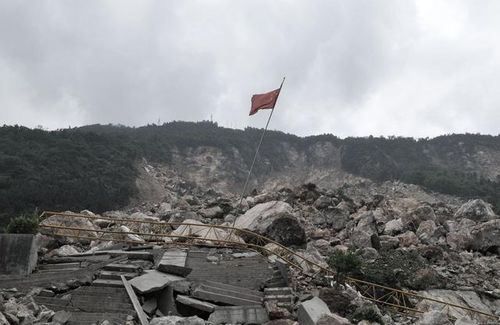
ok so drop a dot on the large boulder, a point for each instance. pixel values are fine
(486, 236)
(287, 231)
(66, 250)
(393, 227)
(127, 234)
(85, 228)
(332, 217)
(202, 233)
(476, 210)
(262, 215)
(275, 220)
(311, 311)
(360, 238)
(434, 317)
(426, 231)
(422, 213)
(408, 239)
(468, 299)
(459, 237)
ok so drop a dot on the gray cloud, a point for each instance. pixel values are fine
(418, 68)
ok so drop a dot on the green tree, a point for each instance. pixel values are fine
(24, 224)
(345, 263)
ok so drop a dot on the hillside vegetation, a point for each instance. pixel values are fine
(94, 167)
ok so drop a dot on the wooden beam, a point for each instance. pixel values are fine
(133, 298)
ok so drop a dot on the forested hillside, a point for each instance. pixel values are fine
(94, 167)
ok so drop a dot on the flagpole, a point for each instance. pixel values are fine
(256, 152)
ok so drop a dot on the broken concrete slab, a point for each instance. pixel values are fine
(227, 294)
(195, 303)
(239, 315)
(182, 286)
(311, 311)
(174, 262)
(149, 306)
(176, 320)
(153, 281)
(18, 254)
(166, 302)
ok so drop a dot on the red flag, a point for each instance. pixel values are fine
(264, 101)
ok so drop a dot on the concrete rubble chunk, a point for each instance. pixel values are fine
(61, 317)
(311, 311)
(333, 319)
(434, 317)
(166, 302)
(195, 303)
(66, 250)
(226, 294)
(239, 315)
(153, 281)
(174, 262)
(262, 215)
(176, 320)
(194, 228)
(183, 286)
(281, 322)
(476, 210)
(150, 306)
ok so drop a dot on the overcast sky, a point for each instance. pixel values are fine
(353, 68)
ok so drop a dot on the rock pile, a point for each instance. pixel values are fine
(406, 238)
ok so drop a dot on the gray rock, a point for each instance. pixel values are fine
(287, 231)
(65, 250)
(12, 319)
(486, 236)
(476, 210)
(3, 320)
(465, 321)
(311, 311)
(176, 320)
(413, 219)
(275, 220)
(173, 261)
(150, 306)
(238, 315)
(153, 281)
(61, 317)
(408, 239)
(393, 227)
(262, 215)
(434, 317)
(163, 209)
(369, 253)
(388, 242)
(195, 303)
(180, 216)
(426, 231)
(213, 212)
(323, 202)
(360, 238)
(333, 319)
(166, 301)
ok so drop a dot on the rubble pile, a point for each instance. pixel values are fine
(438, 246)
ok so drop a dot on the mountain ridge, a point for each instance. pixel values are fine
(96, 166)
